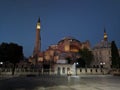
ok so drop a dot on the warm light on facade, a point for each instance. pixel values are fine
(56, 58)
(51, 52)
(40, 59)
(67, 48)
(47, 57)
(74, 50)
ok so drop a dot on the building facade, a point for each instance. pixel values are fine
(69, 47)
(102, 53)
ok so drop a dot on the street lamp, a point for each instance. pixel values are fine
(101, 64)
(1, 63)
(75, 68)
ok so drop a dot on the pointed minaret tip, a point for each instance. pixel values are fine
(104, 30)
(39, 20)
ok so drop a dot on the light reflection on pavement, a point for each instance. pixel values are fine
(85, 82)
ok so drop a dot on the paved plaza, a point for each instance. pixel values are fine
(44, 82)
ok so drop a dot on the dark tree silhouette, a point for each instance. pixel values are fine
(12, 53)
(115, 55)
(68, 60)
(81, 63)
(86, 56)
(4, 52)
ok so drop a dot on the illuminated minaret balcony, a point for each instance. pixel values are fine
(38, 25)
(105, 35)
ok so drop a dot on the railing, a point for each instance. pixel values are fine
(22, 71)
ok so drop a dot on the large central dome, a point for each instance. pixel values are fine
(70, 38)
(70, 44)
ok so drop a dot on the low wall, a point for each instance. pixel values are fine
(79, 71)
(91, 71)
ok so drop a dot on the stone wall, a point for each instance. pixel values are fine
(91, 71)
(79, 71)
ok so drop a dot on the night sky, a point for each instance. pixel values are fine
(81, 19)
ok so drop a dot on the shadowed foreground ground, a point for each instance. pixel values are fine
(90, 82)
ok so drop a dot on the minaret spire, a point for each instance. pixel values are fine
(39, 20)
(37, 47)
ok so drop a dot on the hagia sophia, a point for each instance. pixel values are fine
(66, 47)
(69, 47)
(65, 58)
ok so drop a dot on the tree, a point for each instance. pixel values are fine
(115, 55)
(12, 53)
(87, 56)
(4, 52)
(81, 63)
(68, 60)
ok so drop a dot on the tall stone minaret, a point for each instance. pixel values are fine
(37, 47)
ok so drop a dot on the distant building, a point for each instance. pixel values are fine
(102, 53)
(68, 47)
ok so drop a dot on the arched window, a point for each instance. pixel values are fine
(63, 70)
(80, 70)
(58, 71)
(68, 71)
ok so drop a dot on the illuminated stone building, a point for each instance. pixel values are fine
(68, 47)
(102, 53)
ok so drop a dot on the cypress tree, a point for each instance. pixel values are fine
(115, 55)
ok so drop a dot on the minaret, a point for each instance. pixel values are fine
(105, 35)
(105, 39)
(37, 47)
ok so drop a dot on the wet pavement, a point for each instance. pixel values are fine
(45, 82)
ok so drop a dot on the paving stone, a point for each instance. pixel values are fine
(61, 83)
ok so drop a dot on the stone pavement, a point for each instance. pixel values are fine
(84, 82)
(3, 77)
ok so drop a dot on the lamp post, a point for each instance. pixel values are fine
(1, 63)
(102, 66)
(75, 67)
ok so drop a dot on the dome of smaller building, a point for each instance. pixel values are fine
(103, 44)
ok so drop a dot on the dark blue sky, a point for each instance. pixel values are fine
(82, 19)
